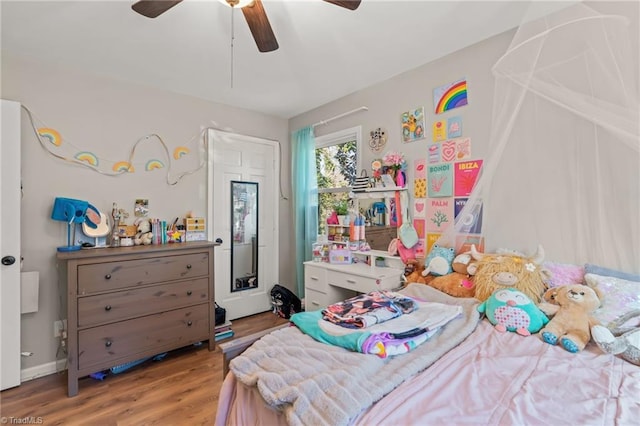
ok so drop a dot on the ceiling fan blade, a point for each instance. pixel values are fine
(347, 4)
(153, 8)
(260, 27)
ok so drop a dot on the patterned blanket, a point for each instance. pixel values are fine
(315, 383)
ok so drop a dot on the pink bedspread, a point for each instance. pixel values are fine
(489, 379)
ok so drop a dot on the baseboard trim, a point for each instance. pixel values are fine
(42, 370)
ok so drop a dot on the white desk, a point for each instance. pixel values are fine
(326, 283)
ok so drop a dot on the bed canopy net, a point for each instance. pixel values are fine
(563, 166)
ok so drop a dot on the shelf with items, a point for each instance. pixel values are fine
(371, 256)
(338, 234)
(386, 194)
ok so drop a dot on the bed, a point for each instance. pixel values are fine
(467, 374)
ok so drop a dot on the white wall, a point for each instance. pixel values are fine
(107, 117)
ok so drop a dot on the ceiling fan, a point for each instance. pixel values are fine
(253, 13)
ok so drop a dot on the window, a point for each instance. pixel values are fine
(337, 157)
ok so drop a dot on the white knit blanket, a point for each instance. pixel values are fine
(314, 383)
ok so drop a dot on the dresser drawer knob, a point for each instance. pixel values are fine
(107, 308)
(351, 281)
(189, 266)
(107, 277)
(189, 323)
(107, 343)
(189, 293)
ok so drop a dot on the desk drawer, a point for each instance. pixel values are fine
(110, 307)
(315, 277)
(106, 276)
(353, 282)
(108, 344)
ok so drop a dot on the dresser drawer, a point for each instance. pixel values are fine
(315, 277)
(110, 307)
(108, 344)
(99, 277)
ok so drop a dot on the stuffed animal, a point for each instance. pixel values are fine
(454, 284)
(144, 236)
(511, 310)
(571, 322)
(439, 261)
(501, 270)
(413, 271)
(626, 344)
(458, 283)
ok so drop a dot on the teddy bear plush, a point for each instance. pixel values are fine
(571, 307)
(617, 341)
(413, 271)
(144, 236)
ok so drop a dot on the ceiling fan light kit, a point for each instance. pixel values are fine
(252, 10)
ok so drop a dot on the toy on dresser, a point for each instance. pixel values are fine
(144, 236)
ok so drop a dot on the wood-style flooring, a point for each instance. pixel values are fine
(181, 389)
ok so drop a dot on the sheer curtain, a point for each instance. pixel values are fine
(564, 163)
(305, 198)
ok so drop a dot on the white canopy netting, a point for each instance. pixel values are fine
(563, 168)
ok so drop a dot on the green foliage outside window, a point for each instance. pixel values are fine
(336, 169)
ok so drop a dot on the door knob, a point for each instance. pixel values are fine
(8, 260)
(219, 240)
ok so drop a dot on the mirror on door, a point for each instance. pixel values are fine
(244, 235)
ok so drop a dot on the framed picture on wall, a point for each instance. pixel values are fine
(413, 125)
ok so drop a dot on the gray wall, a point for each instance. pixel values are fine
(387, 100)
(107, 117)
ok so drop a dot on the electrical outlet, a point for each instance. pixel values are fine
(59, 327)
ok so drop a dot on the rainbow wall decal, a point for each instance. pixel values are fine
(88, 157)
(153, 164)
(51, 135)
(450, 96)
(123, 166)
(180, 151)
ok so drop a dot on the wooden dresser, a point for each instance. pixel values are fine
(128, 303)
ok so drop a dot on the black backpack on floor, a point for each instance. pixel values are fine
(284, 302)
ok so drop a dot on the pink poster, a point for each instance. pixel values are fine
(439, 214)
(448, 151)
(465, 176)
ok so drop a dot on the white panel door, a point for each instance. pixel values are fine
(234, 157)
(10, 245)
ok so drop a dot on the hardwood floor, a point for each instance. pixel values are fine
(181, 389)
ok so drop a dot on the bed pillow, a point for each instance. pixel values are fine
(619, 296)
(564, 273)
(607, 272)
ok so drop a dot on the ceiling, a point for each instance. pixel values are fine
(326, 52)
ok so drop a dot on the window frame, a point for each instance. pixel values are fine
(336, 138)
